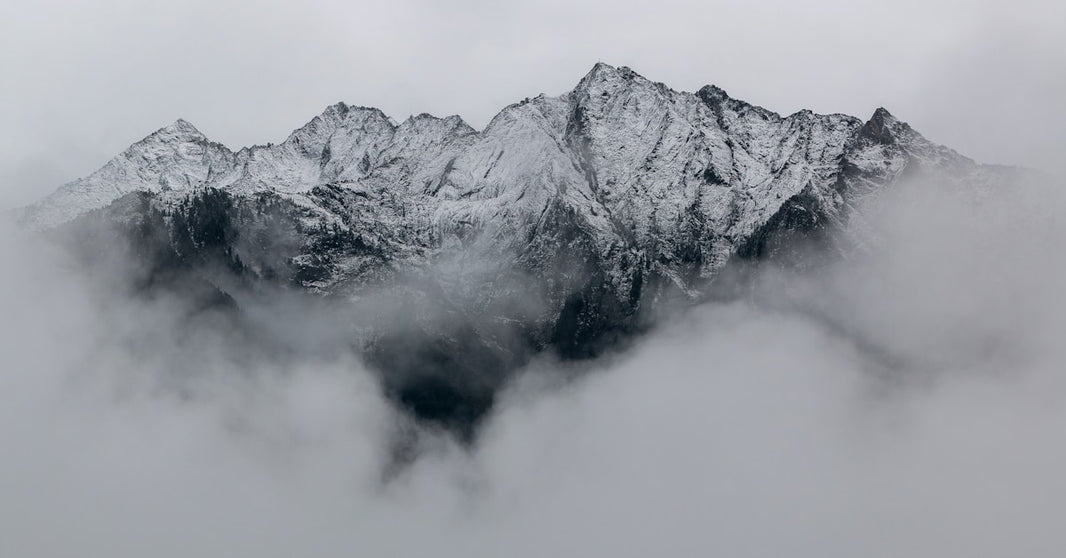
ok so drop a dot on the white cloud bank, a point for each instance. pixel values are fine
(906, 402)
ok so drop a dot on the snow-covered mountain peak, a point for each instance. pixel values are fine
(599, 71)
(713, 94)
(606, 80)
(565, 225)
(721, 103)
(345, 119)
(181, 131)
(427, 122)
(177, 157)
(884, 128)
(622, 148)
(183, 126)
(561, 225)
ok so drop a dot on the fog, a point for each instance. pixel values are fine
(907, 399)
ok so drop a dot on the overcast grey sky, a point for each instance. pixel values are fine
(84, 79)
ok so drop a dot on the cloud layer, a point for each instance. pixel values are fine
(907, 400)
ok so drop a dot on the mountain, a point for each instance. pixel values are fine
(566, 225)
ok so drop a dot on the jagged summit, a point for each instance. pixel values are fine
(604, 79)
(882, 114)
(713, 92)
(883, 127)
(601, 72)
(184, 126)
(180, 131)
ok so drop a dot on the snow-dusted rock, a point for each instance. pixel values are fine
(683, 179)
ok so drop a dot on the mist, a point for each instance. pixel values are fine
(905, 399)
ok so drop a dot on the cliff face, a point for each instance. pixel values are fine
(561, 226)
